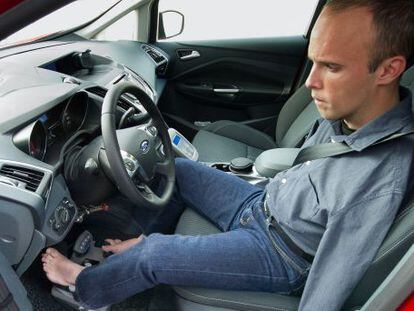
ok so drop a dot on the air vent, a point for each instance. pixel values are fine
(29, 177)
(101, 92)
(158, 58)
(154, 54)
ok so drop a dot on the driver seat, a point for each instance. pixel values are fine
(399, 239)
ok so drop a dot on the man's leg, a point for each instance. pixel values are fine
(241, 259)
(212, 193)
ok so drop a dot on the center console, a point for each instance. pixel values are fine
(243, 168)
(266, 165)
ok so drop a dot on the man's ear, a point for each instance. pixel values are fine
(390, 69)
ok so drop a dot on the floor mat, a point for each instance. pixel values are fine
(38, 288)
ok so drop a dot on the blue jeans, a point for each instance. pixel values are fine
(244, 256)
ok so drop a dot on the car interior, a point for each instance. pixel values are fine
(88, 127)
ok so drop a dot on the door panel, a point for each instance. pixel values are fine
(241, 80)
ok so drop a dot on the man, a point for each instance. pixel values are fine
(336, 209)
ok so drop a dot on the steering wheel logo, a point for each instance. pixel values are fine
(144, 146)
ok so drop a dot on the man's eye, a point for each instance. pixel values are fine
(332, 67)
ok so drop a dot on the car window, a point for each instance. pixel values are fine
(72, 15)
(126, 28)
(227, 19)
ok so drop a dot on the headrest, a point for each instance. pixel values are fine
(407, 80)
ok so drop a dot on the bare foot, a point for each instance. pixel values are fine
(59, 269)
(118, 246)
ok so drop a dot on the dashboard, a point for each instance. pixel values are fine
(51, 94)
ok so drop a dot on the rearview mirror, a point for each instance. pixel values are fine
(171, 24)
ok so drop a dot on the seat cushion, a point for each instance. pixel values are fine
(193, 224)
(216, 148)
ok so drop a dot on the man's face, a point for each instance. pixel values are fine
(340, 81)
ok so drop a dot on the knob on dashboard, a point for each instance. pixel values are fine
(62, 215)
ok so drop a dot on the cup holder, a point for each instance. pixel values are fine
(236, 166)
(225, 167)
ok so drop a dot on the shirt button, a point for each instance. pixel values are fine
(333, 140)
(308, 162)
(284, 181)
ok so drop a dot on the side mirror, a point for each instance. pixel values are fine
(170, 24)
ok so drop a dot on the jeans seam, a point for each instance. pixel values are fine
(285, 256)
(228, 274)
(280, 251)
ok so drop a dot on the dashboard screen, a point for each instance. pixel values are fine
(176, 140)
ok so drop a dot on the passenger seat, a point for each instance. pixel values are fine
(224, 140)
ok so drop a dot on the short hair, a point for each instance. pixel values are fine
(394, 24)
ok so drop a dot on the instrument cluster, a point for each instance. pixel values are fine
(61, 121)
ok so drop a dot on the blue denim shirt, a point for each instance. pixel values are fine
(340, 208)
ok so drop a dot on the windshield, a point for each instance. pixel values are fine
(74, 14)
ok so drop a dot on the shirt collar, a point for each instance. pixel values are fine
(385, 125)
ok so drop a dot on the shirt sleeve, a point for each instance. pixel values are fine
(348, 246)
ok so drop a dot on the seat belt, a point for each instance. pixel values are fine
(333, 149)
(7, 302)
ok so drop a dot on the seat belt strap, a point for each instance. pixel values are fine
(333, 149)
(7, 302)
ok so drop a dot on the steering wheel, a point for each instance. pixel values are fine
(138, 154)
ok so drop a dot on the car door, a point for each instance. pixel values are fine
(13, 295)
(221, 69)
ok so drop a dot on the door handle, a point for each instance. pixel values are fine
(226, 91)
(191, 55)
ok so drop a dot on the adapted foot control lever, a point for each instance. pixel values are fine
(83, 243)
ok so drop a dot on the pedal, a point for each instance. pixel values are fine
(65, 296)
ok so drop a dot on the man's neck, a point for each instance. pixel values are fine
(383, 100)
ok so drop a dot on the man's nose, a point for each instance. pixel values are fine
(314, 80)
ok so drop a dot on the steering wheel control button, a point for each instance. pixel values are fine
(129, 165)
(152, 130)
(130, 162)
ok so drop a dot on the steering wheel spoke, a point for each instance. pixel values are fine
(163, 167)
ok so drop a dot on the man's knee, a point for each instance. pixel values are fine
(183, 167)
(182, 163)
(154, 254)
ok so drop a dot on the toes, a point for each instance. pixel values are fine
(109, 248)
(52, 252)
(110, 241)
(46, 257)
